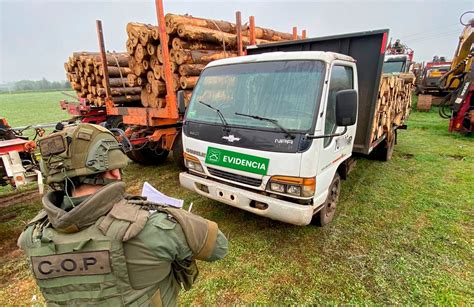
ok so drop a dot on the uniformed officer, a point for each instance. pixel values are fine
(94, 244)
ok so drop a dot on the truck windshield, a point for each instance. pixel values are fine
(285, 91)
(393, 67)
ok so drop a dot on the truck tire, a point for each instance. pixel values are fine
(326, 214)
(384, 151)
(148, 156)
(178, 153)
(115, 122)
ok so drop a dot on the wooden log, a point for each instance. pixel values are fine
(146, 65)
(138, 32)
(148, 88)
(113, 59)
(173, 55)
(269, 34)
(200, 56)
(153, 101)
(173, 21)
(157, 72)
(194, 33)
(116, 71)
(132, 62)
(188, 83)
(155, 33)
(144, 35)
(150, 76)
(150, 48)
(132, 79)
(154, 61)
(145, 97)
(126, 98)
(191, 69)
(150, 100)
(159, 54)
(179, 43)
(77, 54)
(130, 47)
(176, 84)
(173, 66)
(158, 87)
(140, 53)
(139, 69)
(120, 91)
(157, 102)
(115, 82)
(141, 81)
(76, 86)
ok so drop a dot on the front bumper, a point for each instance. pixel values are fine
(276, 209)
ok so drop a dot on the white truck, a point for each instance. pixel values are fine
(273, 132)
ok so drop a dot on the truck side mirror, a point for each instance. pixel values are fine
(180, 100)
(346, 107)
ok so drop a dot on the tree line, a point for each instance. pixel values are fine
(35, 85)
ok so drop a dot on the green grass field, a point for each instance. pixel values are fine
(402, 234)
(22, 109)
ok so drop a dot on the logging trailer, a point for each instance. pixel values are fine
(153, 131)
(273, 133)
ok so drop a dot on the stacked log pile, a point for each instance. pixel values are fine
(393, 104)
(193, 42)
(86, 75)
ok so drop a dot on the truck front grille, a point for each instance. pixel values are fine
(234, 177)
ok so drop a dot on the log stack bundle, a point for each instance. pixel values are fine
(84, 72)
(394, 103)
(193, 42)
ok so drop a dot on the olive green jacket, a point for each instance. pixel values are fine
(152, 244)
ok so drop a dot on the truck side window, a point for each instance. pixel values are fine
(341, 79)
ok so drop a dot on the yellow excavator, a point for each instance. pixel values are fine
(462, 60)
(458, 105)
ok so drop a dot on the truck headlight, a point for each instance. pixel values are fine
(297, 186)
(277, 187)
(294, 189)
(193, 163)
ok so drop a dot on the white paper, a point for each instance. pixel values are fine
(156, 196)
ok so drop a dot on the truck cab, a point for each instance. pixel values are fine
(396, 63)
(271, 133)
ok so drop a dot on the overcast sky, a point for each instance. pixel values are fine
(36, 37)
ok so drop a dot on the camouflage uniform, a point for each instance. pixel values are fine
(113, 249)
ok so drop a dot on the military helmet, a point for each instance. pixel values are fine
(79, 151)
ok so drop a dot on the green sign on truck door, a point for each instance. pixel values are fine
(237, 160)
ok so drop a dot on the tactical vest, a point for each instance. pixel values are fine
(86, 267)
(89, 266)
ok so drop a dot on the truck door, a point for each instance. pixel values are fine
(334, 148)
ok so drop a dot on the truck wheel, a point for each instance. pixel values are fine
(326, 214)
(384, 152)
(178, 155)
(148, 156)
(115, 122)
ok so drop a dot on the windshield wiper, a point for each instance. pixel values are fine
(271, 120)
(221, 116)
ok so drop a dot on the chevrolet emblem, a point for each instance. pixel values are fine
(231, 138)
